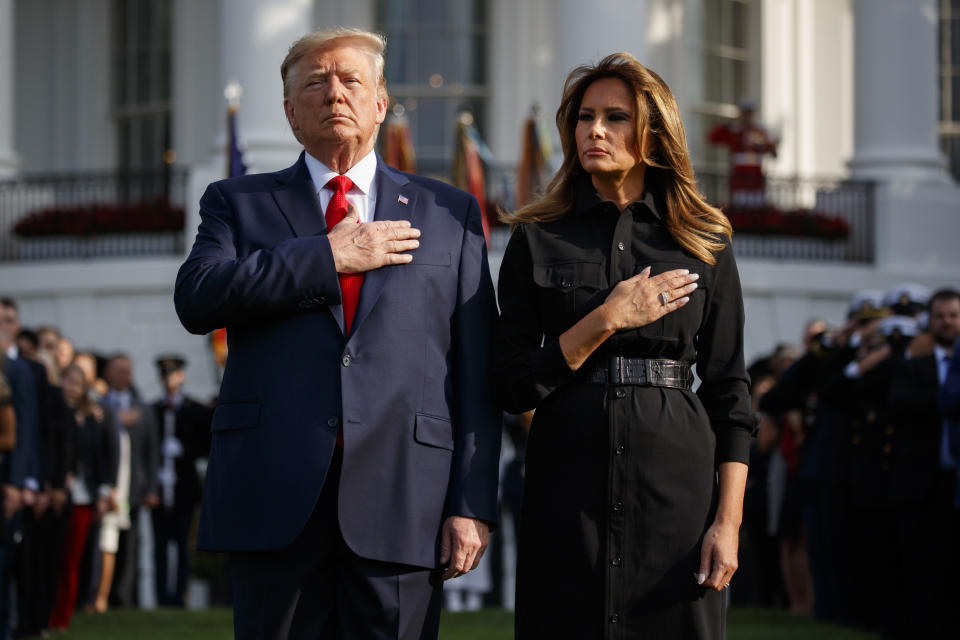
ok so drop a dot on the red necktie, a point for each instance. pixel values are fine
(349, 282)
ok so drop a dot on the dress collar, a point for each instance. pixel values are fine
(586, 198)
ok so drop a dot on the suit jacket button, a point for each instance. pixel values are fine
(333, 422)
(321, 300)
(346, 360)
(304, 304)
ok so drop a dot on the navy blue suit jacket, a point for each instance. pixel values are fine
(410, 384)
(912, 404)
(949, 401)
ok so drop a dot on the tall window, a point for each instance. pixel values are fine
(141, 82)
(436, 64)
(727, 62)
(950, 83)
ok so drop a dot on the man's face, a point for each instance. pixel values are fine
(9, 325)
(119, 374)
(334, 100)
(26, 348)
(48, 341)
(174, 380)
(945, 321)
(64, 352)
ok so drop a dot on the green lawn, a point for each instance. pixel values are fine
(492, 624)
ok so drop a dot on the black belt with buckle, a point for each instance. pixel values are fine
(647, 372)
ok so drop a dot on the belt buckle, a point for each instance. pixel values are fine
(654, 371)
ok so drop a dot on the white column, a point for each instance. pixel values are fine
(520, 31)
(9, 160)
(255, 37)
(895, 72)
(588, 31)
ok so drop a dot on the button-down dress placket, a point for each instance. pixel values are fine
(619, 398)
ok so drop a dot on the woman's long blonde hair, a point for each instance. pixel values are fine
(697, 226)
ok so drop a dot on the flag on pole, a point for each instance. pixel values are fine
(235, 167)
(533, 173)
(235, 163)
(398, 143)
(470, 154)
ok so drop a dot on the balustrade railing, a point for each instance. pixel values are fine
(92, 215)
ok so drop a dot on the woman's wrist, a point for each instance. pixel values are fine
(607, 319)
(727, 521)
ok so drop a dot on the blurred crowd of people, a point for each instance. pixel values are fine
(852, 510)
(81, 454)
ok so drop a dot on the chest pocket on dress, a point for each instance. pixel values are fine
(684, 323)
(566, 286)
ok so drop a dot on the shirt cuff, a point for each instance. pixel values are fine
(31, 484)
(734, 445)
(852, 370)
(556, 363)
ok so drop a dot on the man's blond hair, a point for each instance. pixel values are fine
(371, 43)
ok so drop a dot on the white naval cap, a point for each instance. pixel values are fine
(867, 304)
(897, 326)
(906, 298)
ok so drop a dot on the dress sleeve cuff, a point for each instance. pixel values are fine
(555, 364)
(733, 444)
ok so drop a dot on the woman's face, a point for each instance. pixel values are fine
(606, 131)
(73, 386)
(86, 362)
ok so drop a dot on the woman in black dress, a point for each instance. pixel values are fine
(611, 287)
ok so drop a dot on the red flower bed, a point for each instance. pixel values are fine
(152, 215)
(771, 221)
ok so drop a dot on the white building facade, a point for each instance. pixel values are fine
(850, 88)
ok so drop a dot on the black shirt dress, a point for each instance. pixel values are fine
(620, 479)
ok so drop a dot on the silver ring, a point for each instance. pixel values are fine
(662, 298)
(726, 585)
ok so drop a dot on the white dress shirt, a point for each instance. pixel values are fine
(363, 194)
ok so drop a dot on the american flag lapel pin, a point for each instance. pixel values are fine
(402, 199)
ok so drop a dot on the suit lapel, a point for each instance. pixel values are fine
(933, 370)
(296, 196)
(395, 201)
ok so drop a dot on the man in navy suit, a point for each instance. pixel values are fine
(924, 479)
(354, 456)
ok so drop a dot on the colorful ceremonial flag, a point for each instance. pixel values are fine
(533, 172)
(398, 143)
(471, 153)
(218, 345)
